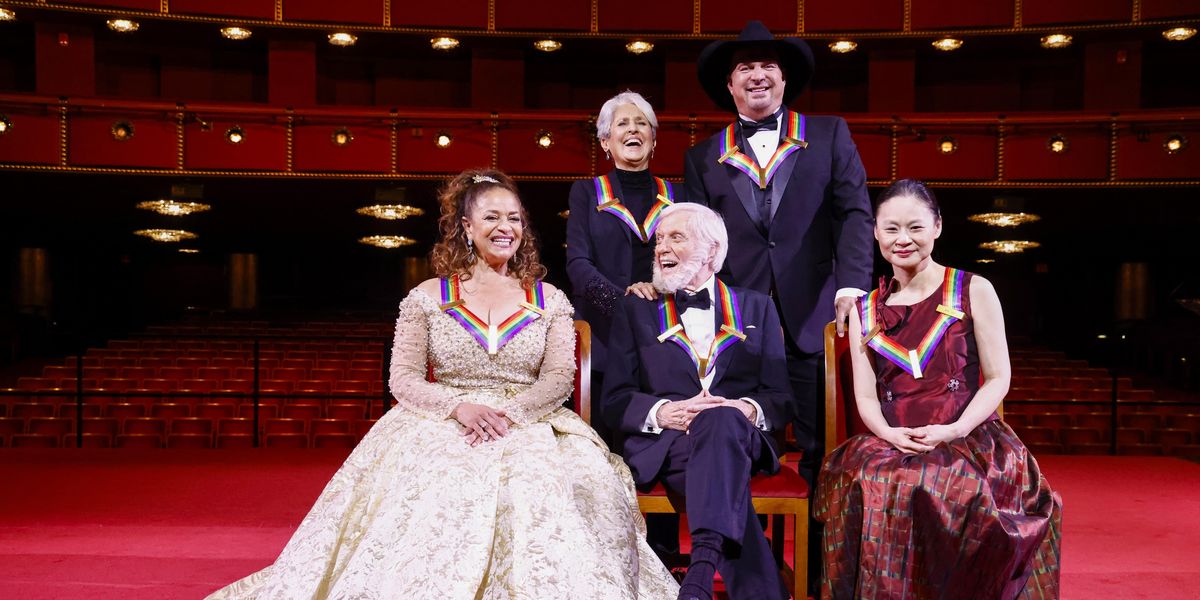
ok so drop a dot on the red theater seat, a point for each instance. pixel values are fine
(235, 440)
(192, 425)
(106, 426)
(189, 440)
(126, 410)
(285, 426)
(33, 440)
(88, 440)
(214, 410)
(139, 440)
(334, 440)
(346, 411)
(170, 410)
(287, 440)
(145, 425)
(317, 426)
(32, 410)
(50, 426)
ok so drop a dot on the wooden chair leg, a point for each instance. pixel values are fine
(800, 552)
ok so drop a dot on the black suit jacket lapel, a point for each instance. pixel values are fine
(783, 175)
(742, 185)
(681, 356)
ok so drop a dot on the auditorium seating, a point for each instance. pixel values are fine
(1055, 403)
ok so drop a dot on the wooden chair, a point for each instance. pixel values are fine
(781, 495)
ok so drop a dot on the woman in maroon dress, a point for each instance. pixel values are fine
(941, 499)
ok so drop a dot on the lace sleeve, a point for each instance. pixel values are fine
(556, 377)
(409, 368)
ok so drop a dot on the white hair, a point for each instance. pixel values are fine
(604, 121)
(705, 226)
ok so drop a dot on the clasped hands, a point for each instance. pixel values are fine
(911, 440)
(678, 414)
(481, 423)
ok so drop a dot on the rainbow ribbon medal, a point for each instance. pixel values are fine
(729, 334)
(607, 202)
(792, 141)
(914, 361)
(492, 337)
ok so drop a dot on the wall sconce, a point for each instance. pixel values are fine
(544, 139)
(342, 39)
(236, 33)
(235, 135)
(547, 45)
(122, 131)
(443, 43)
(443, 139)
(5, 124)
(173, 208)
(564, 214)
(843, 46)
(1057, 143)
(7, 15)
(123, 25)
(1175, 143)
(948, 44)
(639, 47)
(341, 137)
(947, 145)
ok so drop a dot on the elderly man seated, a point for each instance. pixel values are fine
(695, 381)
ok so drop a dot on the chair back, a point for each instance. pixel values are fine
(582, 396)
(841, 412)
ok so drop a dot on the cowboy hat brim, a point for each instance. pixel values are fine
(714, 64)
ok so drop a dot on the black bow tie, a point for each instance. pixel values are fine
(684, 300)
(750, 128)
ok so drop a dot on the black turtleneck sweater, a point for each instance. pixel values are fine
(638, 195)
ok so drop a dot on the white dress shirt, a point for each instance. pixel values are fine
(700, 327)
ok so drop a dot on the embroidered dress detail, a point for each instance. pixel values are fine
(793, 140)
(492, 337)
(915, 360)
(607, 202)
(730, 332)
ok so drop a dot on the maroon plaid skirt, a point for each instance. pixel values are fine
(973, 518)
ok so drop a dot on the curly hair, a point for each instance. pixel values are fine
(451, 255)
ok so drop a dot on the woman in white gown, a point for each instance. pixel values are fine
(479, 485)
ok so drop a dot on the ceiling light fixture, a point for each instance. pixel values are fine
(639, 47)
(843, 46)
(123, 25)
(1179, 34)
(1056, 40)
(443, 43)
(948, 44)
(390, 212)
(7, 15)
(386, 241)
(236, 33)
(1004, 219)
(167, 236)
(1009, 246)
(173, 208)
(342, 39)
(547, 45)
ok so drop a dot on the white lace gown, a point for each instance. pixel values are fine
(415, 513)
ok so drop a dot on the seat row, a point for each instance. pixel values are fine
(180, 440)
(162, 429)
(307, 408)
(40, 386)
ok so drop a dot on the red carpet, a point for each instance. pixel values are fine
(179, 523)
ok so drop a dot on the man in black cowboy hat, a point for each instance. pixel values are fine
(793, 193)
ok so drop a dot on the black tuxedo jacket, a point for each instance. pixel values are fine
(642, 370)
(819, 238)
(599, 260)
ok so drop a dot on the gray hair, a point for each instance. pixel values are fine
(705, 225)
(604, 121)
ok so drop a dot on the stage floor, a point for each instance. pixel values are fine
(162, 524)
